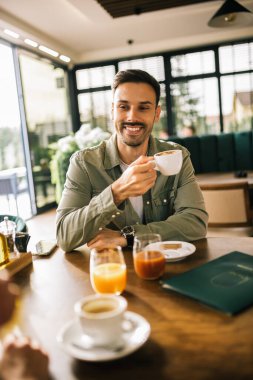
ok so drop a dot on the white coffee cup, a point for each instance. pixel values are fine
(101, 318)
(169, 162)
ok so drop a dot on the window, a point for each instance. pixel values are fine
(195, 103)
(237, 96)
(192, 64)
(237, 86)
(236, 58)
(95, 109)
(95, 77)
(194, 85)
(153, 65)
(48, 119)
(12, 156)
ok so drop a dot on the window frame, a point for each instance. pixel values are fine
(169, 79)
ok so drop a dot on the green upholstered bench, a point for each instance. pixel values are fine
(219, 153)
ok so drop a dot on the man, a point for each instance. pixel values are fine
(22, 359)
(112, 191)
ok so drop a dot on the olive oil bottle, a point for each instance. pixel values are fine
(4, 251)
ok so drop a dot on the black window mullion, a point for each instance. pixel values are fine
(169, 99)
(217, 74)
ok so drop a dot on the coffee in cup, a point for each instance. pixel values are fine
(169, 162)
(101, 318)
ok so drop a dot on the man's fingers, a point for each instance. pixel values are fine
(143, 168)
(142, 160)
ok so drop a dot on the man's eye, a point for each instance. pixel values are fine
(122, 106)
(144, 108)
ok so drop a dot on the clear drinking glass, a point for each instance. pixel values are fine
(108, 270)
(149, 260)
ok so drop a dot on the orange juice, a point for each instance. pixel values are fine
(149, 265)
(109, 278)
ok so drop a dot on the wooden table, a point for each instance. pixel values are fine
(223, 178)
(188, 340)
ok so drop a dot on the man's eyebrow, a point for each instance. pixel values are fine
(126, 101)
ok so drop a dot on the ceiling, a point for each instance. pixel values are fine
(86, 32)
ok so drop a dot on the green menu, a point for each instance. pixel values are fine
(225, 283)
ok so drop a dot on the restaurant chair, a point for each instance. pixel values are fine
(228, 206)
(8, 186)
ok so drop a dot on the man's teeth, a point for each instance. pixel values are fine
(134, 129)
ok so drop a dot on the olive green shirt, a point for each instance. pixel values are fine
(174, 207)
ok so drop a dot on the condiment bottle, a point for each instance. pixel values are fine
(8, 228)
(4, 252)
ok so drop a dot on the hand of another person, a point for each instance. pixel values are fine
(107, 238)
(8, 294)
(139, 177)
(22, 359)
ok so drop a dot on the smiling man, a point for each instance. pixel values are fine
(112, 191)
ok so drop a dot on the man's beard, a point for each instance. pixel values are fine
(130, 142)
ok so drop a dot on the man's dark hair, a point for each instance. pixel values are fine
(137, 76)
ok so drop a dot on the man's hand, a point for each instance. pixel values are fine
(136, 180)
(23, 359)
(107, 238)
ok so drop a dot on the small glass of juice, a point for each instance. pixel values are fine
(108, 270)
(149, 260)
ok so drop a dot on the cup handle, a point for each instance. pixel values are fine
(128, 325)
(156, 168)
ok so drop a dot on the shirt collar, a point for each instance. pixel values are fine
(112, 155)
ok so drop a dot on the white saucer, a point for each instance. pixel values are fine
(173, 254)
(70, 336)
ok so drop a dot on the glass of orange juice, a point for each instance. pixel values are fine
(149, 260)
(108, 270)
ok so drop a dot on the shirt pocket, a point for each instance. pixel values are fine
(164, 205)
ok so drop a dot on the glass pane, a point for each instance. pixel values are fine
(95, 109)
(95, 77)
(251, 55)
(48, 119)
(193, 64)
(235, 58)
(12, 160)
(160, 129)
(237, 101)
(153, 65)
(195, 103)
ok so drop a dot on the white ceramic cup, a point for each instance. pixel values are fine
(169, 162)
(101, 318)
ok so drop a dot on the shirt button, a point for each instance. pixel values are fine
(137, 222)
(118, 213)
(100, 229)
(113, 216)
(148, 202)
(165, 200)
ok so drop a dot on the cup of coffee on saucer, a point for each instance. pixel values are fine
(169, 162)
(102, 319)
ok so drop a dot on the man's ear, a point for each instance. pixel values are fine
(157, 113)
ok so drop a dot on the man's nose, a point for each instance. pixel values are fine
(132, 114)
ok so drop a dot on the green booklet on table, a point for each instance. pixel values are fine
(225, 283)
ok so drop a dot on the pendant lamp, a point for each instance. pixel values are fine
(230, 14)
